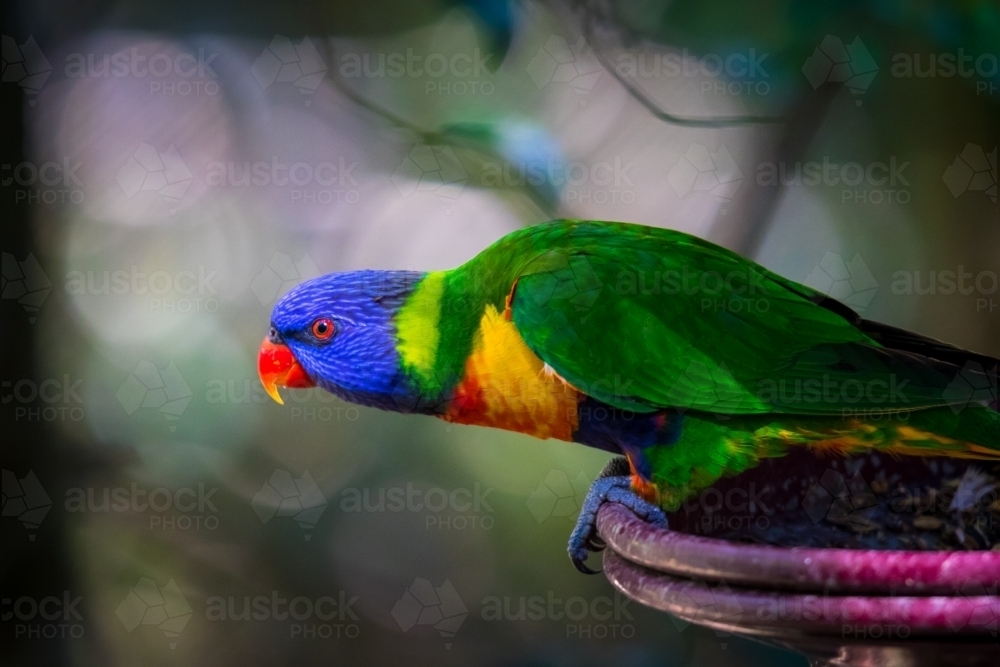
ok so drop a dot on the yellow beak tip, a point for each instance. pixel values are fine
(272, 391)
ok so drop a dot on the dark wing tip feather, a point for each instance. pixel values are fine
(907, 341)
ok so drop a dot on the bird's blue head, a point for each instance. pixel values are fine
(337, 332)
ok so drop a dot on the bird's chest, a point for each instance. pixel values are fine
(505, 385)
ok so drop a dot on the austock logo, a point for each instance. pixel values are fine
(712, 172)
(734, 291)
(558, 496)
(855, 618)
(183, 291)
(39, 183)
(973, 170)
(870, 183)
(150, 387)
(707, 384)
(308, 183)
(834, 62)
(25, 500)
(840, 499)
(437, 606)
(248, 390)
(876, 399)
(281, 274)
(458, 509)
(48, 617)
(948, 65)
(25, 283)
(982, 285)
(50, 400)
(411, 399)
(25, 65)
(431, 169)
(284, 496)
(178, 73)
(704, 604)
(599, 617)
(184, 509)
(171, 73)
(720, 74)
(150, 604)
(981, 610)
(149, 170)
(282, 61)
(468, 68)
(600, 182)
(704, 382)
(744, 507)
(323, 617)
(561, 277)
(562, 63)
(851, 282)
(973, 385)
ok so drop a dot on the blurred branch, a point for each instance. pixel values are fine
(424, 136)
(590, 19)
(791, 146)
(429, 137)
(796, 130)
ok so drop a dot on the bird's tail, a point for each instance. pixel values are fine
(969, 433)
(712, 446)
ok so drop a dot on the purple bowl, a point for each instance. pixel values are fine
(797, 568)
(838, 606)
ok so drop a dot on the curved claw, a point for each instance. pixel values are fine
(584, 538)
(582, 567)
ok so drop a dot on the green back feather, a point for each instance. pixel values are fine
(645, 318)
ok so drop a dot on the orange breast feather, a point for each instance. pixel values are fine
(505, 385)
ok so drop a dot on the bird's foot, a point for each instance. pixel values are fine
(610, 486)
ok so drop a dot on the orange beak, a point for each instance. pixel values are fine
(278, 367)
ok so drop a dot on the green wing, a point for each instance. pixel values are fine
(645, 318)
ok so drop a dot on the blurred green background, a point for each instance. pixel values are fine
(170, 169)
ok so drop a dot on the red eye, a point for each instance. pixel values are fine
(322, 328)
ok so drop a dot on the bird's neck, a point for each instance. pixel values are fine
(434, 330)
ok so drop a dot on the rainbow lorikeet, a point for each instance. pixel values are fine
(687, 359)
